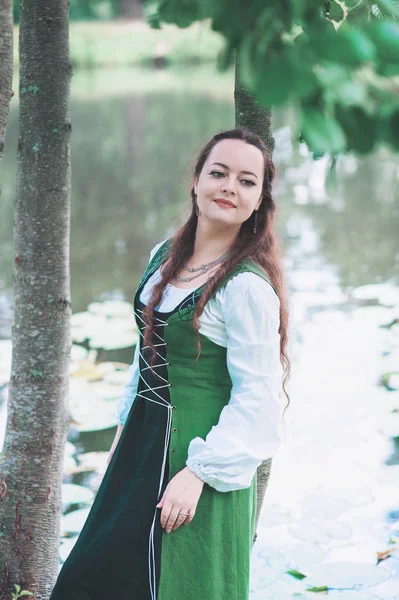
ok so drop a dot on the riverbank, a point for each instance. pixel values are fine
(110, 44)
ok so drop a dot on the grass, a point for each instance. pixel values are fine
(95, 44)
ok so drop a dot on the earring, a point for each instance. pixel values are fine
(196, 205)
(256, 221)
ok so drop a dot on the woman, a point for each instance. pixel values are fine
(202, 407)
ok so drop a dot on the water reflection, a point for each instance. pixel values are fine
(132, 148)
(131, 158)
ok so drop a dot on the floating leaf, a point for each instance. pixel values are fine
(319, 588)
(90, 462)
(383, 555)
(111, 308)
(76, 494)
(296, 574)
(73, 522)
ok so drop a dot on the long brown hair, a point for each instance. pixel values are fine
(262, 247)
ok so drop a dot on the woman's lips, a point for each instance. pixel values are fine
(224, 204)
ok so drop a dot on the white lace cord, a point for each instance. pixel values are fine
(151, 545)
(160, 387)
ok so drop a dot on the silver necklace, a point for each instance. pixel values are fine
(203, 268)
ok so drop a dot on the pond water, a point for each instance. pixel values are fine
(332, 500)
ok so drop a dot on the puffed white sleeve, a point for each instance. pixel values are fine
(249, 426)
(125, 401)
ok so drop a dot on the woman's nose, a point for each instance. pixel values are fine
(229, 185)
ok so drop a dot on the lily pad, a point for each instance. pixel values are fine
(383, 293)
(76, 494)
(93, 405)
(111, 308)
(78, 352)
(69, 464)
(5, 361)
(73, 522)
(391, 427)
(343, 575)
(66, 547)
(69, 449)
(91, 462)
(101, 330)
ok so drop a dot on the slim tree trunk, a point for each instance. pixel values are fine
(249, 113)
(38, 416)
(6, 37)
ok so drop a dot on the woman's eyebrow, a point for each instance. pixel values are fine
(226, 167)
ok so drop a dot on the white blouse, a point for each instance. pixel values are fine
(243, 317)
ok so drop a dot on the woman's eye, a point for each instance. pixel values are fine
(247, 181)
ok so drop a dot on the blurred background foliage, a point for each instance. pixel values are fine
(96, 9)
(337, 61)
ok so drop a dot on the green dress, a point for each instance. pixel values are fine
(122, 551)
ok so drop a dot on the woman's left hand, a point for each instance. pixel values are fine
(181, 495)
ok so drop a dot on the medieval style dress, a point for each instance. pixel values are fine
(220, 416)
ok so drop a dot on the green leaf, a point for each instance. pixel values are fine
(358, 15)
(319, 588)
(352, 3)
(388, 69)
(286, 74)
(248, 63)
(388, 7)
(385, 35)
(336, 11)
(298, 8)
(391, 129)
(302, 39)
(360, 128)
(296, 574)
(321, 132)
(180, 12)
(348, 46)
(26, 593)
(153, 21)
(275, 82)
(226, 56)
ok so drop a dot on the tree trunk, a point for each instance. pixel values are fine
(249, 113)
(38, 416)
(129, 9)
(6, 64)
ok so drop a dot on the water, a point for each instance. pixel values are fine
(332, 500)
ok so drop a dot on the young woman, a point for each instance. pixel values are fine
(174, 516)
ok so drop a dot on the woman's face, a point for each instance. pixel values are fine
(232, 172)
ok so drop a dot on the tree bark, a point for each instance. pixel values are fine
(38, 416)
(6, 65)
(249, 113)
